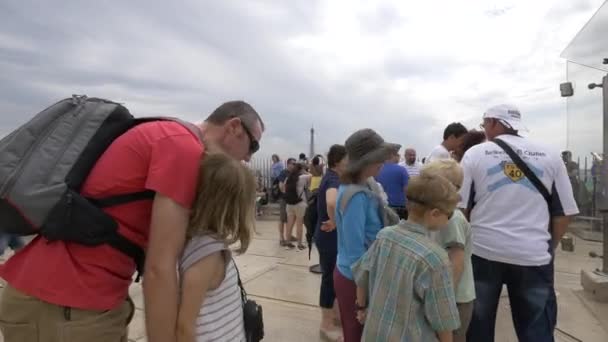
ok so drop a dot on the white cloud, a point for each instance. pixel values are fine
(405, 68)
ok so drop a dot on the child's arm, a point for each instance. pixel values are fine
(361, 271)
(196, 281)
(453, 238)
(331, 196)
(456, 255)
(361, 296)
(361, 304)
(445, 336)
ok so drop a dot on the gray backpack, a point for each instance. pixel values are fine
(44, 163)
(387, 214)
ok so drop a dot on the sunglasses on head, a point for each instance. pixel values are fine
(449, 214)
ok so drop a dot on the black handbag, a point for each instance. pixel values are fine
(252, 314)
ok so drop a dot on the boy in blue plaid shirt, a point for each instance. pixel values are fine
(405, 276)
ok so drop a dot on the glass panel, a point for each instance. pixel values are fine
(585, 129)
(590, 46)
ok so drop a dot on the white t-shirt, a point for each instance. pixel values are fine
(438, 153)
(412, 170)
(510, 218)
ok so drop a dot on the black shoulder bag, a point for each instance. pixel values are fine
(252, 314)
(531, 177)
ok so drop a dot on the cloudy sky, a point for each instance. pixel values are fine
(404, 68)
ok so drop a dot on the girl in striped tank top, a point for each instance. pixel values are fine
(223, 214)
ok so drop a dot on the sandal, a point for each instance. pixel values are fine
(331, 335)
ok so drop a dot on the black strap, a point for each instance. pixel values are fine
(535, 181)
(119, 242)
(238, 276)
(122, 199)
(526, 170)
(131, 249)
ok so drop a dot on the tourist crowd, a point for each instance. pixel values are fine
(408, 251)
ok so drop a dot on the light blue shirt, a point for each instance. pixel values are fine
(276, 169)
(357, 227)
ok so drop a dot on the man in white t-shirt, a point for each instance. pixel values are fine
(410, 163)
(512, 240)
(453, 136)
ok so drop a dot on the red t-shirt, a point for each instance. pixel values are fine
(162, 156)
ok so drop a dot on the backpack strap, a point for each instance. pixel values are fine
(122, 199)
(526, 170)
(133, 250)
(111, 201)
(535, 181)
(117, 240)
(350, 191)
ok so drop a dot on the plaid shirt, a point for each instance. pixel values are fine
(409, 283)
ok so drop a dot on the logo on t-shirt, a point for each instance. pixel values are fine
(513, 172)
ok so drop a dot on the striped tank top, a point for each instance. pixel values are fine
(221, 315)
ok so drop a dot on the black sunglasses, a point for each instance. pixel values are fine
(254, 145)
(449, 214)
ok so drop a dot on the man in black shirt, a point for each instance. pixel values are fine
(284, 240)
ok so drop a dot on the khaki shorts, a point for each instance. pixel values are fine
(297, 210)
(25, 318)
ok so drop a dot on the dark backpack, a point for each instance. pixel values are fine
(44, 163)
(291, 196)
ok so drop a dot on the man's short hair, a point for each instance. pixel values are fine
(235, 109)
(335, 155)
(291, 160)
(456, 129)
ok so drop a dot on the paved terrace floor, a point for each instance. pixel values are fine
(280, 281)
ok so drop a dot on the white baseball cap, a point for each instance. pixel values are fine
(508, 115)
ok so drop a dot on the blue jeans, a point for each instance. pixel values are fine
(327, 245)
(531, 295)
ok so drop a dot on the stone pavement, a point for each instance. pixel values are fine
(280, 281)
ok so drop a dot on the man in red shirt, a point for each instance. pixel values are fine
(59, 291)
